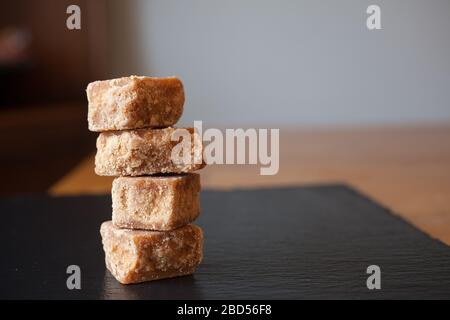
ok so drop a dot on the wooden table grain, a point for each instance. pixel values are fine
(404, 168)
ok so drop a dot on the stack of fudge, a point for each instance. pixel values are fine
(154, 199)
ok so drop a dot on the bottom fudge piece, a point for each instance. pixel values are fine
(134, 256)
(155, 202)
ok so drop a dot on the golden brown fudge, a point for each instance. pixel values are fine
(155, 202)
(134, 102)
(148, 151)
(134, 256)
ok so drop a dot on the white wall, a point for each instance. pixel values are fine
(291, 62)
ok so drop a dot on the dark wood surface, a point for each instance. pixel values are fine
(40, 143)
(61, 62)
(308, 242)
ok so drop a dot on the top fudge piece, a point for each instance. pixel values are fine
(134, 102)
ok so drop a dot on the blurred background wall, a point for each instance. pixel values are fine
(266, 63)
(41, 60)
(291, 62)
(44, 70)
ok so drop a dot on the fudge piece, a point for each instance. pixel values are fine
(134, 102)
(148, 151)
(134, 256)
(155, 202)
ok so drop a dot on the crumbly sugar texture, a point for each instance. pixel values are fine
(134, 102)
(148, 151)
(155, 202)
(134, 256)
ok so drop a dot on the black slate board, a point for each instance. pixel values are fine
(287, 243)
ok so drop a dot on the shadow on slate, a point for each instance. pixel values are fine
(287, 243)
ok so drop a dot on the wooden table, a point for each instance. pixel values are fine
(406, 169)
